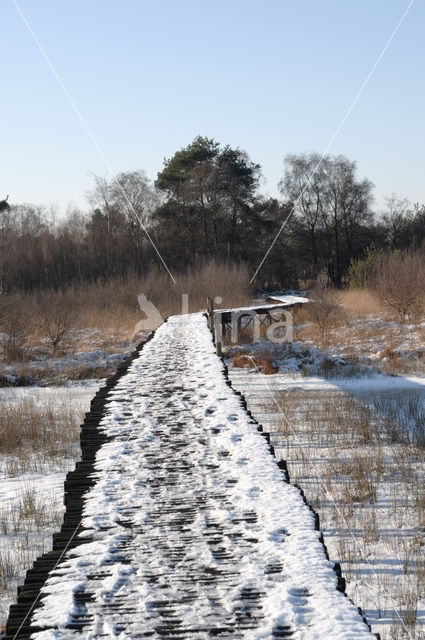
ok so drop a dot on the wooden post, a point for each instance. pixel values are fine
(218, 332)
(210, 311)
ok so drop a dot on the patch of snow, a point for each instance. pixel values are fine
(288, 299)
(254, 308)
(79, 394)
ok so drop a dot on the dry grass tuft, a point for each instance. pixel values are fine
(240, 360)
(32, 434)
(85, 372)
(358, 302)
(264, 364)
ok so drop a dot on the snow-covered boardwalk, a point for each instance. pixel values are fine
(189, 529)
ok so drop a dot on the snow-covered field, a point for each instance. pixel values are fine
(31, 484)
(354, 439)
(372, 340)
(84, 355)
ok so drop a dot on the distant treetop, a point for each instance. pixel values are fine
(4, 205)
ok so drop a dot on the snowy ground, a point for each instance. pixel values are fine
(354, 440)
(84, 355)
(31, 489)
(193, 527)
(373, 340)
(78, 394)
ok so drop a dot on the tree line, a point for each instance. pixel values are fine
(206, 204)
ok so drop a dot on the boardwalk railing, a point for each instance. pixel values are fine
(229, 321)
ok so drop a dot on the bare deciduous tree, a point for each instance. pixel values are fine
(394, 216)
(330, 205)
(399, 279)
(324, 309)
(55, 318)
(303, 186)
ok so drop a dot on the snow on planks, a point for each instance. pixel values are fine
(187, 529)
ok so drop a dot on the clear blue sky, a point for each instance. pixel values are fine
(272, 77)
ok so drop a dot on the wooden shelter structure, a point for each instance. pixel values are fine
(225, 321)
